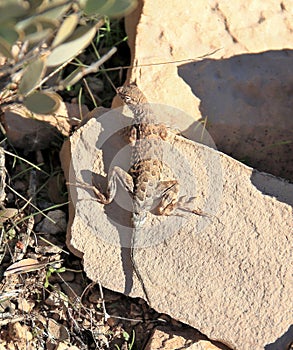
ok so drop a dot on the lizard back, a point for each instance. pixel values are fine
(146, 154)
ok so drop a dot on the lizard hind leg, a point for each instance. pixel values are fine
(168, 190)
(171, 204)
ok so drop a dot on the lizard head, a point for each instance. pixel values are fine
(131, 95)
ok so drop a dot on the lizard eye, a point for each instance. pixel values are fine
(127, 99)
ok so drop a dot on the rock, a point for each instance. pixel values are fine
(45, 248)
(72, 290)
(239, 76)
(34, 131)
(203, 345)
(20, 186)
(73, 110)
(66, 276)
(6, 304)
(65, 346)
(227, 274)
(95, 113)
(25, 305)
(56, 298)
(56, 187)
(57, 331)
(55, 225)
(165, 339)
(6, 214)
(108, 297)
(19, 332)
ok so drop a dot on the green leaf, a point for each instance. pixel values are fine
(77, 42)
(57, 12)
(5, 48)
(132, 340)
(66, 29)
(35, 3)
(8, 33)
(121, 8)
(126, 336)
(12, 9)
(67, 81)
(93, 7)
(32, 75)
(61, 270)
(38, 36)
(36, 24)
(42, 102)
(111, 8)
(47, 22)
(37, 28)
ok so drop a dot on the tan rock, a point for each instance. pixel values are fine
(56, 298)
(204, 345)
(54, 223)
(57, 332)
(55, 188)
(25, 305)
(19, 333)
(243, 84)
(227, 275)
(65, 346)
(76, 112)
(31, 131)
(163, 338)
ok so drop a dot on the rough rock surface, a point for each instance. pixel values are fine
(228, 275)
(244, 89)
(164, 339)
(32, 131)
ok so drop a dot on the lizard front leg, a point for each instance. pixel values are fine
(117, 175)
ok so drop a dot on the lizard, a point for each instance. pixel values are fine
(144, 179)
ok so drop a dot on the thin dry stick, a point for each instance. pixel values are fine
(163, 63)
(93, 68)
(90, 92)
(47, 77)
(106, 315)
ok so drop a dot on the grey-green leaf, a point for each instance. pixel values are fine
(121, 8)
(97, 7)
(66, 29)
(12, 9)
(42, 102)
(111, 8)
(35, 3)
(57, 12)
(38, 36)
(32, 75)
(5, 48)
(8, 33)
(77, 42)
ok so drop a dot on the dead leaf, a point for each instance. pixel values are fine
(22, 266)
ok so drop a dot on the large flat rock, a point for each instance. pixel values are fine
(228, 275)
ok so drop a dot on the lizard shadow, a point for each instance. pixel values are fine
(116, 152)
